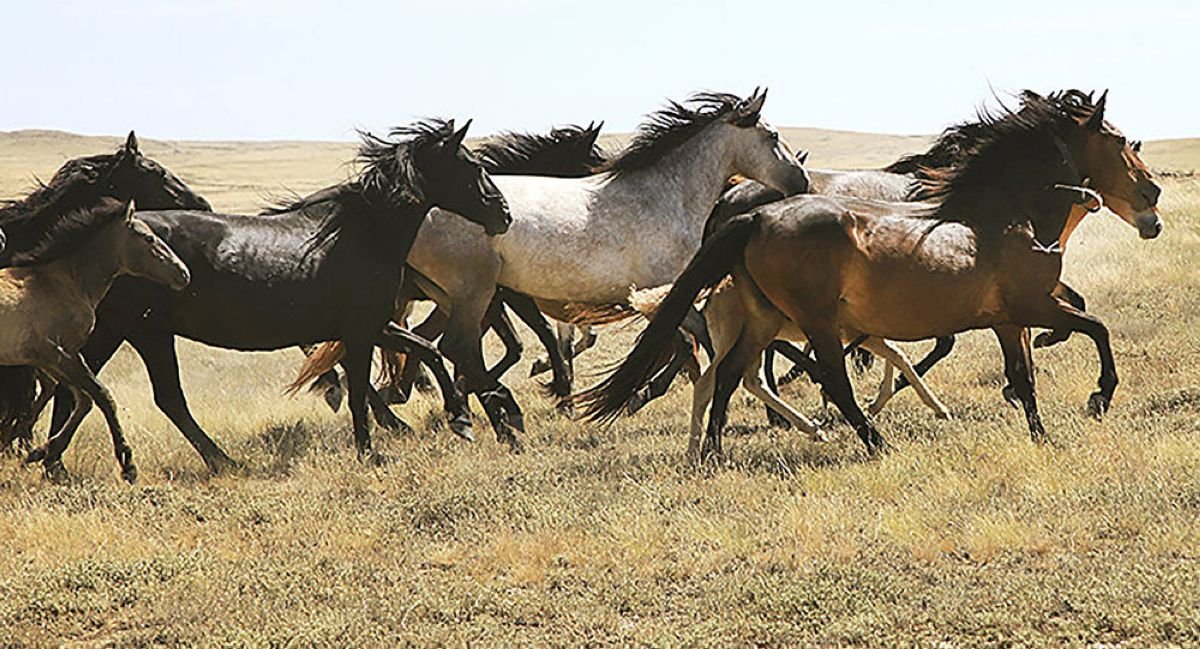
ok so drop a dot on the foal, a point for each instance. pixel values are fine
(48, 306)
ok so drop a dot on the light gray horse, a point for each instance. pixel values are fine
(585, 242)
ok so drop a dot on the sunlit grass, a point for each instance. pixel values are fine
(966, 533)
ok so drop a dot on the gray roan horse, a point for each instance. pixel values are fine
(583, 242)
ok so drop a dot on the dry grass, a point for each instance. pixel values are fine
(966, 534)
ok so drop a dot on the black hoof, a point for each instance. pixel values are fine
(638, 401)
(371, 457)
(514, 445)
(333, 397)
(540, 366)
(222, 464)
(1097, 405)
(130, 474)
(462, 427)
(790, 377)
(36, 455)
(1010, 395)
(1049, 339)
(56, 472)
(394, 424)
(777, 420)
(566, 408)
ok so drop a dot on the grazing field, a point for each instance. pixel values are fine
(966, 533)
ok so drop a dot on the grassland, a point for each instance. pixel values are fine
(965, 535)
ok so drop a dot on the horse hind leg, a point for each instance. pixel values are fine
(827, 346)
(896, 359)
(78, 373)
(755, 383)
(50, 453)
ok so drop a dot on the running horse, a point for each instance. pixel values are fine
(326, 268)
(48, 301)
(80, 184)
(984, 253)
(580, 243)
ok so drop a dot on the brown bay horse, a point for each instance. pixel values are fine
(985, 252)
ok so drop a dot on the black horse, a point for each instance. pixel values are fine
(79, 185)
(567, 151)
(325, 268)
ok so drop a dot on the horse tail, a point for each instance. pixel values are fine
(324, 358)
(715, 259)
(18, 387)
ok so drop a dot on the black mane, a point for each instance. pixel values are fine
(70, 231)
(1000, 140)
(670, 127)
(75, 186)
(389, 185)
(566, 151)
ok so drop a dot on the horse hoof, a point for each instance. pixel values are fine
(371, 457)
(462, 427)
(56, 472)
(943, 414)
(1049, 339)
(821, 436)
(539, 366)
(1010, 395)
(333, 398)
(222, 464)
(1097, 405)
(514, 445)
(566, 409)
(36, 455)
(637, 402)
(130, 474)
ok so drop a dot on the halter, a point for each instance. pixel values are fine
(1088, 197)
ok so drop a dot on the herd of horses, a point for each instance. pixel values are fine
(706, 205)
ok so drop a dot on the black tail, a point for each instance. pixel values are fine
(710, 265)
(17, 392)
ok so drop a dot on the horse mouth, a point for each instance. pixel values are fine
(1149, 225)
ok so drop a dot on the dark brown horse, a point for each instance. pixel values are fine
(985, 253)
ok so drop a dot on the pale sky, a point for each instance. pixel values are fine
(228, 69)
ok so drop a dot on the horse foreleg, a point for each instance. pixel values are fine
(1018, 368)
(461, 344)
(73, 368)
(498, 321)
(527, 310)
(1057, 335)
(831, 361)
(157, 350)
(357, 363)
(1061, 315)
(421, 350)
(896, 358)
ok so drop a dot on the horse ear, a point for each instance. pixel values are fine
(456, 138)
(802, 157)
(593, 131)
(1096, 121)
(131, 143)
(747, 111)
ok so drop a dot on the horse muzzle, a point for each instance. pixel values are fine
(1149, 224)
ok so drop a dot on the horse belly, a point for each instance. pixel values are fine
(899, 305)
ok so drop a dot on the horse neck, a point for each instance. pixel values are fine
(94, 265)
(687, 181)
(1073, 221)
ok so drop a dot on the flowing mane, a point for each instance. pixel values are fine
(666, 129)
(388, 187)
(998, 142)
(565, 151)
(70, 231)
(76, 185)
